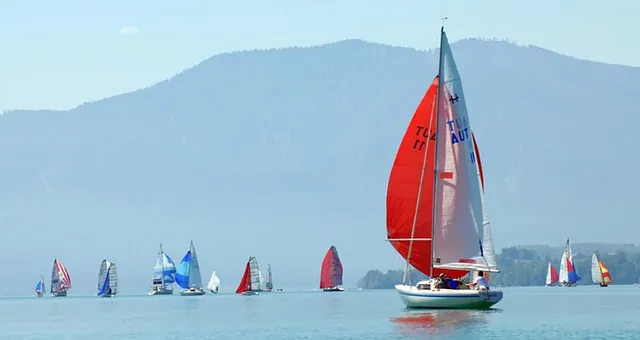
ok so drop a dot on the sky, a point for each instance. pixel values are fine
(59, 54)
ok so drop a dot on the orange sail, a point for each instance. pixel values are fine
(404, 181)
(606, 276)
(245, 282)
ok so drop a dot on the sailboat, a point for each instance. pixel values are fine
(107, 279)
(331, 272)
(60, 279)
(268, 286)
(552, 276)
(568, 276)
(214, 283)
(436, 216)
(599, 273)
(40, 287)
(188, 273)
(163, 273)
(250, 283)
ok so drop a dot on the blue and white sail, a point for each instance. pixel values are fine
(40, 287)
(164, 268)
(108, 279)
(188, 272)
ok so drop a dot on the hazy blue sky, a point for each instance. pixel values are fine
(57, 54)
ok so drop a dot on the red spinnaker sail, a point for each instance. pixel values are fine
(65, 278)
(245, 282)
(554, 275)
(404, 181)
(331, 272)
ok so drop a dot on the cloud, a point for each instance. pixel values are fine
(129, 30)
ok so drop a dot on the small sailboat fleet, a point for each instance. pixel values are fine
(214, 283)
(331, 272)
(568, 276)
(163, 275)
(552, 276)
(40, 287)
(107, 279)
(188, 274)
(250, 284)
(436, 217)
(60, 279)
(599, 272)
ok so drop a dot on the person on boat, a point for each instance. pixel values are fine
(442, 282)
(480, 282)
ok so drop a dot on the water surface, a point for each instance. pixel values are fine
(587, 312)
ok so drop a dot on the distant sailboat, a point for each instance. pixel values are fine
(214, 283)
(331, 272)
(107, 279)
(568, 276)
(188, 273)
(163, 273)
(60, 279)
(269, 284)
(250, 283)
(599, 273)
(40, 287)
(552, 276)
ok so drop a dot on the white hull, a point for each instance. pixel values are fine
(192, 292)
(413, 297)
(250, 292)
(161, 292)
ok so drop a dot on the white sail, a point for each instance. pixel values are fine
(104, 267)
(195, 277)
(549, 280)
(256, 283)
(564, 271)
(113, 278)
(214, 282)
(596, 273)
(459, 210)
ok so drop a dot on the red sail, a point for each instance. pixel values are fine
(245, 283)
(402, 190)
(331, 272)
(554, 275)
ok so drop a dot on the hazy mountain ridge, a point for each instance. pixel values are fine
(282, 153)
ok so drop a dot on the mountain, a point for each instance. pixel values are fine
(280, 154)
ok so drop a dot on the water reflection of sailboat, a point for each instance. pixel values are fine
(439, 322)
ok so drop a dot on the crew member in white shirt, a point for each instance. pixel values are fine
(479, 282)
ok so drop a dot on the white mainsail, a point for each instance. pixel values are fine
(459, 213)
(564, 271)
(596, 272)
(195, 277)
(256, 283)
(214, 282)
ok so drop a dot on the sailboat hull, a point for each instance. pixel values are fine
(161, 292)
(333, 289)
(250, 292)
(604, 285)
(192, 292)
(413, 297)
(107, 295)
(59, 294)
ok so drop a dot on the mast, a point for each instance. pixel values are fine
(435, 162)
(161, 255)
(415, 214)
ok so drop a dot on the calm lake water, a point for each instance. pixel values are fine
(586, 312)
